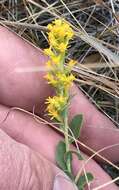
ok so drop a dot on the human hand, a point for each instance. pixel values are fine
(24, 90)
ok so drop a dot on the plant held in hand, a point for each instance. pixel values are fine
(61, 78)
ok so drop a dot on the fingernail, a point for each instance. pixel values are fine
(62, 182)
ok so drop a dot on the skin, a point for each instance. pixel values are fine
(29, 137)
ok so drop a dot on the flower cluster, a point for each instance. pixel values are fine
(59, 35)
(59, 76)
(55, 105)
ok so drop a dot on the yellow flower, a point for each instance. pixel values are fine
(49, 64)
(49, 52)
(59, 34)
(65, 80)
(62, 47)
(71, 78)
(57, 22)
(51, 79)
(70, 65)
(56, 59)
(49, 27)
(54, 114)
(62, 29)
(52, 39)
(72, 62)
(61, 100)
(56, 102)
(55, 106)
(69, 33)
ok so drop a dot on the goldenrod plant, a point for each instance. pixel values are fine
(60, 77)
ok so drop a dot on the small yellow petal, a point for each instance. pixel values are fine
(57, 22)
(49, 26)
(49, 64)
(56, 59)
(62, 47)
(49, 52)
(72, 62)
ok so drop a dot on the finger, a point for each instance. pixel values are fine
(44, 140)
(97, 132)
(27, 130)
(28, 89)
(21, 168)
(21, 89)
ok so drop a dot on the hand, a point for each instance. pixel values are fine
(28, 89)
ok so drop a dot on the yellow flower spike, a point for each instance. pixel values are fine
(61, 79)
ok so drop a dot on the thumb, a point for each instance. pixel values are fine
(23, 169)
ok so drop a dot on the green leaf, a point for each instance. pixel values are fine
(82, 182)
(60, 154)
(75, 126)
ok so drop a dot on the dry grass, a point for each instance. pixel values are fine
(96, 43)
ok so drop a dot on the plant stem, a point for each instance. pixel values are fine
(67, 140)
(66, 131)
